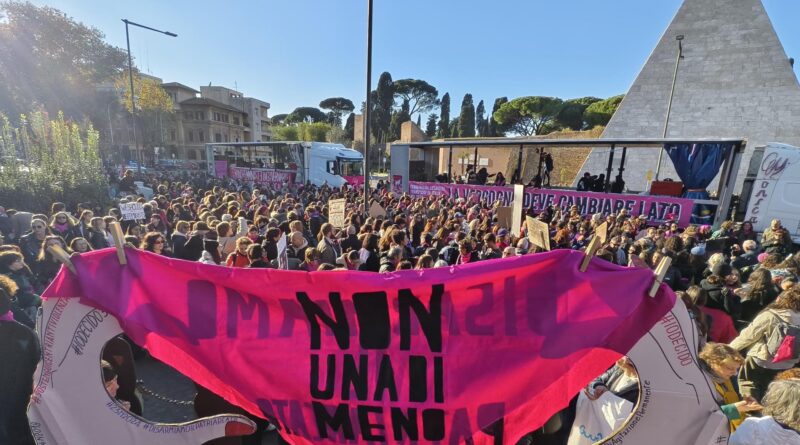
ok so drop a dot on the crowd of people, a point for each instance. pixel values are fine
(740, 288)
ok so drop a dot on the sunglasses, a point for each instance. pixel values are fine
(161, 241)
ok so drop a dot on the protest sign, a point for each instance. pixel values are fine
(538, 233)
(517, 207)
(131, 211)
(283, 257)
(276, 179)
(504, 217)
(656, 209)
(602, 232)
(70, 404)
(390, 358)
(336, 212)
(377, 211)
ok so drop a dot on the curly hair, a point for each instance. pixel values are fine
(788, 299)
(718, 353)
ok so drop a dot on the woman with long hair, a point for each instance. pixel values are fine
(154, 242)
(759, 368)
(12, 265)
(780, 422)
(31, 243)
(46, 266)
(720, 363)
(369, 255)
(759, 293)
(62, 226)
(97, 236)
(80, 245)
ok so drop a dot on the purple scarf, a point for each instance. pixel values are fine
(8, 316)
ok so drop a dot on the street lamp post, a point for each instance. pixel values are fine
(679, 38)
(367, 104)
(130, 77)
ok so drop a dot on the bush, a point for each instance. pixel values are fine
(44, 161)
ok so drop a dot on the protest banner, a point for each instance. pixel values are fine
(517, 207)
(336, 212)
(389, 358)
(274, 178)
(70, 404)
(377, 211)
(655, 208)
(538, 233)
(504, 217)
(131, 211)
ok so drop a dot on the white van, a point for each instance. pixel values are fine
(333, 164)
(776, 190)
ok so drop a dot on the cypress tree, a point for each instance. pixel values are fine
(444, 117)
(466, 121)
(430, 127)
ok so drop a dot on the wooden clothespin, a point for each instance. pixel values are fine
(591, 249)
(661, 270)
(62, 257)
(119, 242)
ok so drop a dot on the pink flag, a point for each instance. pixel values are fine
(485, 351)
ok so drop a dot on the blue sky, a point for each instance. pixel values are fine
(298, 52)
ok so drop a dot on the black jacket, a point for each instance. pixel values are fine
(193, 248)
(373, 264)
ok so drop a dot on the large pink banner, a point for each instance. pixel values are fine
(484, 352)
(655, 208)
(273, 178)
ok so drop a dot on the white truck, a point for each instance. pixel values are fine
(773, 187)
(276, 163)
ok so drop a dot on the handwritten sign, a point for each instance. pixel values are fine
(336, 212)
(538, 233)
(377, 211)
(131, 211)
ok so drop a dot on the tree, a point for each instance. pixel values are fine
(529, 115)
(571, 114)
(382, 104)
(303, 131)
(454, 127)
(397, 121)
(495, 129)
(279, 118)
(430, 127)
(466, 121)
(153, 106)
(419, 121)
(49, 60)
(285, 133)
(421, 96)
(306, 114)
(444, 120)
(599, 113)
(481, 124)
(337, 106)
(350, 126)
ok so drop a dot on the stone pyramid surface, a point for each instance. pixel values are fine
(735, 81)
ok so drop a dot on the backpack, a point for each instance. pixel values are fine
(783, 341)
(449, 254)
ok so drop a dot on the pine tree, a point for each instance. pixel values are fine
(419, 120)
(496, 129)
(430, 127)
(398, 118)
(444, 113)
(383, 102)
(350, 126)
(466, 121)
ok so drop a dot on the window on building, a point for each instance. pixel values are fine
(217, 137)
(190, 135)
(235, 120)
(225, 118)
(200, 136)
(199, 115)
(172, 134)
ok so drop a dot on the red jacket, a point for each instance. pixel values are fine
(722, 330)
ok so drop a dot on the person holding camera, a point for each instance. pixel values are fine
(776, 239)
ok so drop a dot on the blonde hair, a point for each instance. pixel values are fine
(719, 353)
(780, 402)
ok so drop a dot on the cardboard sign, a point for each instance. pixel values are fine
(131, 211)
(377, 211)
(516, 214)
(283, 257)
(602, 232)
(70, 403)
(505, 217)
(538, 233)
(376, 358)
(336, 212)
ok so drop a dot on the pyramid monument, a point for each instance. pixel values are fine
(734, 81)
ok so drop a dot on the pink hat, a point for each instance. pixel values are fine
(762, 257)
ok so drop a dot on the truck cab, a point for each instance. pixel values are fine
(332, 163)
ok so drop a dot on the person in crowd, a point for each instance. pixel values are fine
(351, 242)
(157, 224)
(62, 226)
(759, 339)
(720, 325)
(239, 257)
(748, 258)
(780, 423)
(389, 262)
(255, 255)
(98, 233)
(126, 184)
(621, 379)
(84, 226)
(759, 293)
(179, 238)
(80, 245)
(46, 266)
(745, 233)
(776, 238)
(328, 246)
(19, 347)
(350, 260)
(368, 254)
(23, 304)
(154, 242)
(720, 363)
(193, 248)
(312, 260)
(31, 243)
(110, 377)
